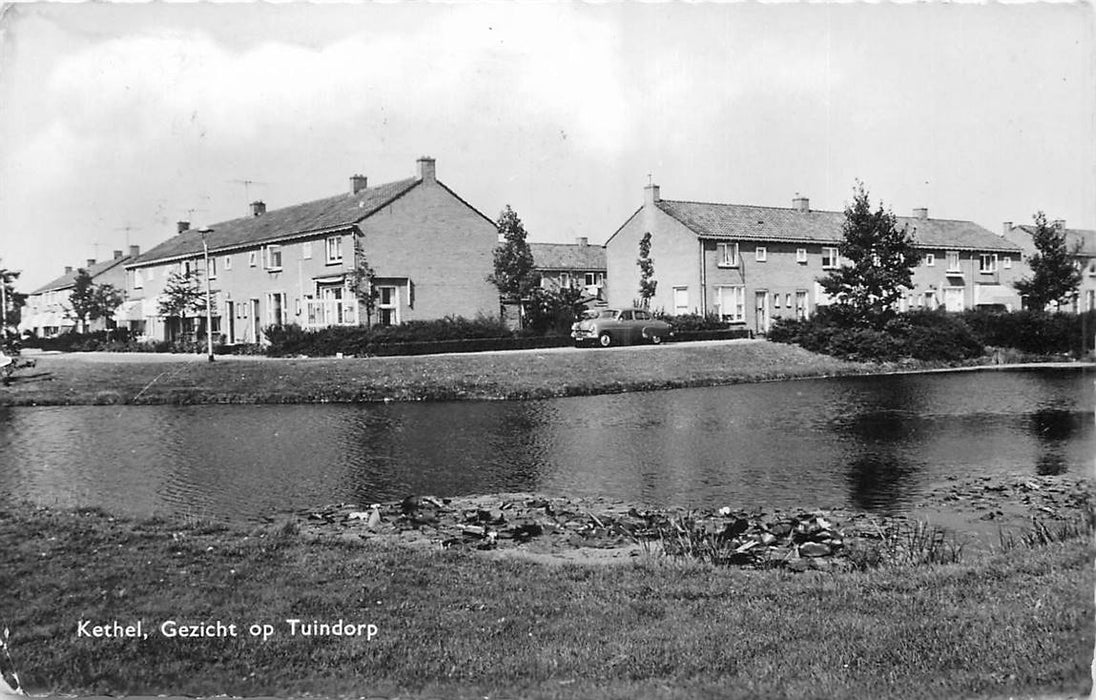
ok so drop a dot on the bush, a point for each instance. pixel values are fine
(1035, 332)
(695, 322)
(359, 340)
(922, 335)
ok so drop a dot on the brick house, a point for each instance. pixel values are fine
(430, 251)
(751, 264)
(48, 312)
(1082, 245)
(577, 265)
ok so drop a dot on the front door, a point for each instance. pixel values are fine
(761, 306)
(230, 314)
(953, 298)
(333, 306)
(256, 322)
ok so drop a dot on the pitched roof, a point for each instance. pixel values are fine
(330, 213)
(748, 222)
(568, 256)
(1083, 239)
(69, 278)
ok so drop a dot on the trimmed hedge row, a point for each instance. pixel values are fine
(722, 334)
(1036, 332)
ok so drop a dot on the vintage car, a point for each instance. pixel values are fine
(619, 327)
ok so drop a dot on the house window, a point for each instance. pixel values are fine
(1091, 267)
(930, 259)
(1007, 262)
(953, 261)
(138, 279)
(185, 267)
(275, 309)
(728, 255)
(732, 303)
(212, 269)
(306, 250)
(251, 259)
(788, 300)
(761, 254)
(272, 257)
(930, 300)
(681, 300)
(987, 263)
(564, 280)
(590, 279)
(334, 250)
(388, 306)
(228, 262)
(801, 256)
(829, 258)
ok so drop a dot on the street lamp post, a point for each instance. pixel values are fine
(205, 231)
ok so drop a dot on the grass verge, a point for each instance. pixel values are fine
(461, 625)
(78, 379)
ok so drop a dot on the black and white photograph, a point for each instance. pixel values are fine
(548, 350)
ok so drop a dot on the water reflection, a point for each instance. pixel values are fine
(873, 443)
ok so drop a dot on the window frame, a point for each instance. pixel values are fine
(725, 247)
(761, 254)
(987, 263)
(930, 259)
(680, 309)
(737, 295)
(333, 253)
(269, 252)
(801, 256)
(954, 254)
(835, 258)
(306, 250)
(227, 262)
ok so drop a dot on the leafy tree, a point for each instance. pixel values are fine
(361, 281)
(11, 314)
(182, 296)
(515, 274)
(1054, 278)
(552, 311)
(82, 299)
(881, 258)
(105, 301)
(646, 264)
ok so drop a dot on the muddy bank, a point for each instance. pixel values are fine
(961, 515)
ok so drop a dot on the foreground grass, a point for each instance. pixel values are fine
(73, 379)
(459, 625)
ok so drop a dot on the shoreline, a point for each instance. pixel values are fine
(135, 379)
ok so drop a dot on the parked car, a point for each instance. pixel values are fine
(619, 327)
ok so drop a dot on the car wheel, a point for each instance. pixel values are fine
(605, 340)
(656, 339)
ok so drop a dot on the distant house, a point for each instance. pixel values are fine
(48, 311)
(431, 253)
(577, 265)
(1082, 245)
(750, 264)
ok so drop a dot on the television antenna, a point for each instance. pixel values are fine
(247, 183)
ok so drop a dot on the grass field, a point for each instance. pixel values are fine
(462, 625)
(105, 379)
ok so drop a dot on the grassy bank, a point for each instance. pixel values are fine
(459, 624)
(80, 379)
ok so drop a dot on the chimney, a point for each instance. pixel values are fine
(134, 251)
(921, 213)
(258, 208)
(357, 183)
(68, 269)
(117, 254)
(181, 226)
(1006, 228)
(1059, 223)
(582, 241)
(801, 204)
(651, 194)
(427, 172)
(91, 261)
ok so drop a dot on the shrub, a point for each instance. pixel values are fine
(1036, 332)
(695, 322)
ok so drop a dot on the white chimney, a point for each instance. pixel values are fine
(802, 204)
(427, 172)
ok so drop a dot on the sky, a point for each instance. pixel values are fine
(117, 120)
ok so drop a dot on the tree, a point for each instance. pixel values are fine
(105, 301)
(361, 281)
(183, 295)
(13, 301)
(1054, 278)
(646, 264)
(881, 258)
(82, 299)
(515, 274)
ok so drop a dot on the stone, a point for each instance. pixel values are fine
(797, 565)
(813, 549)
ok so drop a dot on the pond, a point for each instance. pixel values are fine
(869, 442)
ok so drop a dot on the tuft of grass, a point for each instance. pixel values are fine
(1040, 533)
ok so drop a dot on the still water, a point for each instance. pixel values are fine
(869, 442)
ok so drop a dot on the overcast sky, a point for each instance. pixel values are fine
(118, 120)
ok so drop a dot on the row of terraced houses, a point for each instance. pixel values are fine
(432, 251)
